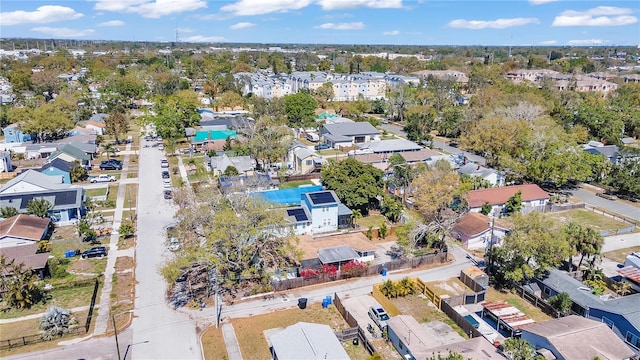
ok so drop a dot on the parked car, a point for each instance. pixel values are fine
(322, 147)
(103, 178)
(97, 251)
(379, 316)
(165, 175)
(111, 164)
(164, 163)
(168, 195)
(161, 147)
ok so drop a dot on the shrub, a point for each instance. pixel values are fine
(328, 269)
(56, 322)
(309, 273)
(353, 268)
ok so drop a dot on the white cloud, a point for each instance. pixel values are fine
(586, 42)
(548, 42)
(598, 16)
(149, 8)
(391, 33)
(350, 4)
(63, 31)
(341, 26)
(540, 2)
(185, 30)
(241, 25)
(200, 38)
(112, 23)
(492, 24)
(42, 15)
(260, 7)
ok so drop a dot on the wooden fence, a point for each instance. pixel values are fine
(386, 303)
(288, 284)
(459, 320)
(536, 301)
(353, 323)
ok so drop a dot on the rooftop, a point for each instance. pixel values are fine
(508, 314)
(500, 195)
(356, 241)
(25, 254)
(578, 338)
(351, 129)
(336, 254)
(391, 146)
(24, 227)
(307, 341)
(472, 224)
(324, 198)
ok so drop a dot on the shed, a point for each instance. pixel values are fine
(307, 341)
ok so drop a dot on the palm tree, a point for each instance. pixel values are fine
(388, 289)
(22, 288)
(56, 322)
(405, 287)
(7, 212)
(109, 149)
(39, 207)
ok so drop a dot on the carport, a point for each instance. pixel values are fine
(337, 255)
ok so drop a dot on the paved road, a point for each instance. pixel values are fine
(615, 206)
(172, 335)
(623, 241)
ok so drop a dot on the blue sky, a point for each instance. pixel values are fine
(410, 22)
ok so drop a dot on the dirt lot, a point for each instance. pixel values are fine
(424, 311)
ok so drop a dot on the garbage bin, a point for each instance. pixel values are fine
(356, 341)
(302, 303)
(384, 272)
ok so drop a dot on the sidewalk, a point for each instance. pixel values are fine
(183, 170)
(39, 315)
(102, 318)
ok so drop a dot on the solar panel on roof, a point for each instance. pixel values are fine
(324, 197)
(298, 213)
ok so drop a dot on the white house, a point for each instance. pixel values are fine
(478, 231)
(533, 198)
(323, 207)
(475, 170)
(5, 161)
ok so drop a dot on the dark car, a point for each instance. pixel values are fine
(98, 251)
(322, 147)
(167, 194)
(165, 175)
(105, 165)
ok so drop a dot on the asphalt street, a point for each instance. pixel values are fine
(171, 334)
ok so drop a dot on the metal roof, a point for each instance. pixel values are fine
(337, 254)
(351, 129)
(35, 178)
(307, 341)
(391, 146)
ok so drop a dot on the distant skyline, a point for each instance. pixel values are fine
(394, 22)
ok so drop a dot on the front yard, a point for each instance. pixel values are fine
(588, 218)
(620, 255)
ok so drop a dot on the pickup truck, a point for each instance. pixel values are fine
(103, 178)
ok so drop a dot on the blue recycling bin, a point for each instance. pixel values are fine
(325, 303)
(328, 299)
(384, 272)
(69, 253)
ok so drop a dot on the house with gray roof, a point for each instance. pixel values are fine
(244, 164)
(621, 314)
(576, 338)
(71, 153)
(391, 146)
(494, 177)
(348, 134)
(610, 152)
(67, 201)
(306, 341)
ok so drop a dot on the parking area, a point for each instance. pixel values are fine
(358, 307)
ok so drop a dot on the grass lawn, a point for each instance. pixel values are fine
(213, 344)
(30, 327)
(249, 331)
(132, 174)
(620, 255)
(65, 298)
(128, 215)
(130, 195)
(373, 221)
(518, 302)
(294, 184)
(330, 152)
(95, 192)
(113, 193)
(589, 218)
(424, 311)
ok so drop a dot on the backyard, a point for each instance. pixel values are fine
(518, 302)
(424, 311)
(250, 331)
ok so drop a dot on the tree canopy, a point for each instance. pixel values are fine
(300, 109)
(357, 185)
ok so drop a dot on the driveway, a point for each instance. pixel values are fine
(359, 306)
(171, 334)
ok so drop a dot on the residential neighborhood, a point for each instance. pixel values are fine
(196, 202)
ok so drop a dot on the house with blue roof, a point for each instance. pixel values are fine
(621, 314)
(59, 168)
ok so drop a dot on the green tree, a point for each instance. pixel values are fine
(126, 229)
(172, 115)
(561, 302)
(382, 230)
(450, 356)
(22, 289)
(47, 122)
(85, 231)
(230, 171)
(513, 204)
(57, 322)
(585, 240)
(78, 173)
(7, 212)
(39, 207)
(435, 190)
(300, 109)
(324, 94)
(357, 185)
(269, 142)
(486, 209)
(624, 177)
(519, 349)
(116, 124)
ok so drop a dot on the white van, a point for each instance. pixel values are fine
(313, 137)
